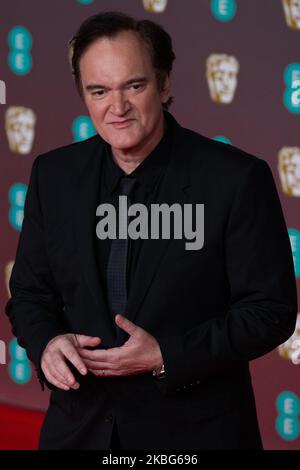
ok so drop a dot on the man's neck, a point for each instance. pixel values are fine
(129, 160)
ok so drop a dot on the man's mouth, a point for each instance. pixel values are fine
(121, 124)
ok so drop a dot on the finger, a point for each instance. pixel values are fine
(98, 365)
(53, 380)
(64, 374)
(54, 373)
(58, 384)
(55, 362)
(48, 367)
(82, 341)
(126, 324)
(113, 354)
(99, 354)
(73, 356)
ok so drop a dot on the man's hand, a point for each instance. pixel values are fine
(60, 348)
(141, 353)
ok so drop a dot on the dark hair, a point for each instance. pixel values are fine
(110, 24)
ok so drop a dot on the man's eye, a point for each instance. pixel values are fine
(136, 86)
(98, 93)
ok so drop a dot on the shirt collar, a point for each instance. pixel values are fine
(148, 170)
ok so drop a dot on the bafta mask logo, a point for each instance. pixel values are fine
(221, 73)
(155, 6)
(7, 274)
(292, 13)
(19, 126)
(290, 350)
(289, 170)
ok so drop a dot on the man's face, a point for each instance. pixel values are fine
(121, 93)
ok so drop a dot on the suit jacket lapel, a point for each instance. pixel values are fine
(174, 189)
(89, 167)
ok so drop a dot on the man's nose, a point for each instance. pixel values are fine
(119, 103)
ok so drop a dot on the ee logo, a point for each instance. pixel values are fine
(82, 128)
(16, 196)
(19, 367)
(19, 57)
(223, 10)
(287, 421)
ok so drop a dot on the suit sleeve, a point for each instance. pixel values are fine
(263, 306)
(35, 306)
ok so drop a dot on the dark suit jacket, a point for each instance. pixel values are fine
(211, 310)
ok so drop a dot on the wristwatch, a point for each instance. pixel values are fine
(160, 372)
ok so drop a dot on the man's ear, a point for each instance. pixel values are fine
(166, 90)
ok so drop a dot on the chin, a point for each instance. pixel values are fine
(123, 148)
(124, 144)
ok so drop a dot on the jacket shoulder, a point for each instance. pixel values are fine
(222, 167)
(66, 155)
(207, 155)
(207, 151)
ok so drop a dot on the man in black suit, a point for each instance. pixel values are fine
(146, 342)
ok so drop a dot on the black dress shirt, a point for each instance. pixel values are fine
(148, 176)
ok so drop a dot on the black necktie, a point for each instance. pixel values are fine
(117, 261)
